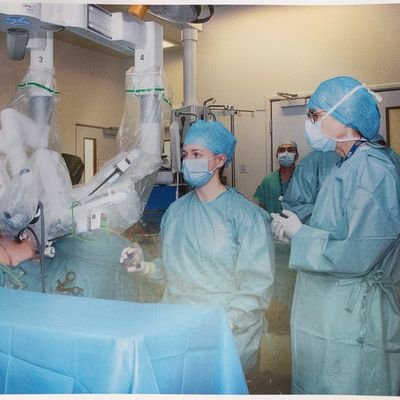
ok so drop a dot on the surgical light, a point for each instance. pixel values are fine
(182, 13)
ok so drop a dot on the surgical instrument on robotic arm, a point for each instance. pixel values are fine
(116, 171)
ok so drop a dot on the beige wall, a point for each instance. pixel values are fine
(248, 52)
(245, 53)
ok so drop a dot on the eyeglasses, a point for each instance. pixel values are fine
(290, 149)
(313, 115)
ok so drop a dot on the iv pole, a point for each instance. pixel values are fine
(231, 111)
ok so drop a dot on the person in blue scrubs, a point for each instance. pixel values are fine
(302, 190)
(216, 245)
(270, 191)
(345, 323)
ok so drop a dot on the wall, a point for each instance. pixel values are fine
(248, 52)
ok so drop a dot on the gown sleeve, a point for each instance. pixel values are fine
(364, 209)
(253, 270)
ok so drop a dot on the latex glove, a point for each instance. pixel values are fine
(277, 229)
(132, 258)
(290, 225)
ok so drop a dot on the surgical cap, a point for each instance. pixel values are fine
(289, 142)
(212, 136)
(359, 111)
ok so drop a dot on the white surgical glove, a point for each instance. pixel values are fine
(285, 227)
(133, 260)
(277, 229)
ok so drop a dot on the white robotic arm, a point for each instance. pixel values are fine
(31, 25)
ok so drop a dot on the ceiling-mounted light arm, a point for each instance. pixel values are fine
(181, 13)
(203, 20)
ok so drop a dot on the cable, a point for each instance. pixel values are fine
(41, 245)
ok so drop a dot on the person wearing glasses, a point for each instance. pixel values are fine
(272, 188)
(216, 245)
(345, 323)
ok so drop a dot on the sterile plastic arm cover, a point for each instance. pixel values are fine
(253, 268)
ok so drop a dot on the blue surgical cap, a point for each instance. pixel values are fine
(359, 111)
(213, 136)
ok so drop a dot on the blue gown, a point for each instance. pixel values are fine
(220, 252)
(345, 322)
(306, 182)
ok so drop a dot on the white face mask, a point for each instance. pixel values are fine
(318, 141)
(195, 171)
(286, 159)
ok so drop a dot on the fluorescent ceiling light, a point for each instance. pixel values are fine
(167, 43)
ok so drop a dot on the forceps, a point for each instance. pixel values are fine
(69, 278)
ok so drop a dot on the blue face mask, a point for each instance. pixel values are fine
(316, 139)
(286, 159)
(195, 172)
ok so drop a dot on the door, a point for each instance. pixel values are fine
(94, 147)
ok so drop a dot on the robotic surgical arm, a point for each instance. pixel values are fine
(31, 172)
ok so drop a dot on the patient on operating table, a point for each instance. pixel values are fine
(84, 265)
(13, 252)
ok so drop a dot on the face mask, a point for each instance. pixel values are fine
(196, 173)
(316, 139)
(286, 159)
